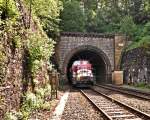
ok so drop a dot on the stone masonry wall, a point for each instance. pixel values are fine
(136, 66)
(69, 43)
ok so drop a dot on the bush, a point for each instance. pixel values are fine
(13, 115)
(35, 101)
(46, 106)
(31, 99)
(40, 92)
(30, 103)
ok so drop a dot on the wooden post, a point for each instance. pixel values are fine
(54, 84)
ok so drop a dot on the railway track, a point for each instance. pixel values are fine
(113, 109)
(79, 108)
(131, 92)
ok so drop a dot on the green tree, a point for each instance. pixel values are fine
(128, 26)
(145, 36)
(146, 30)
(48, 11)
(72, 17)
(90, 23)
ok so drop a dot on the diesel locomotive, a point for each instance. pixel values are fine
(82, 74)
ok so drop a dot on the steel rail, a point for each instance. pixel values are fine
(98, 108)
(126, 91)
(129, 89)
(134, 111)
(138, 112)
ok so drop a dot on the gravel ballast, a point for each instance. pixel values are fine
(79, 108)
(142, 105)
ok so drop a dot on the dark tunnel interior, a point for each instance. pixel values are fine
(99, 66)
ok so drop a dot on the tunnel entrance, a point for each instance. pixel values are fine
(98, 59)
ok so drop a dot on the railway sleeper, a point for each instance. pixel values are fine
(114, 110)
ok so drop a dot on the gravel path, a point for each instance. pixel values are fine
(142, 105)
(78, 108)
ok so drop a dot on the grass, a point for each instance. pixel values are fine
(139, 86)
(142, 85)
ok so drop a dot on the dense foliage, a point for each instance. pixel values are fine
(48, 12)
(107, 16)
(72, 17)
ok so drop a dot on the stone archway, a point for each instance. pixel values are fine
(96, 56)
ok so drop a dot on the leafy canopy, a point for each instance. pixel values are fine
(72, 17)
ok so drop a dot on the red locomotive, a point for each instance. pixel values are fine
(82, 73)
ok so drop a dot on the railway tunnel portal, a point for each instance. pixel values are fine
(100, 62)
(102, 51)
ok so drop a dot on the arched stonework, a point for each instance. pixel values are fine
(93, 49)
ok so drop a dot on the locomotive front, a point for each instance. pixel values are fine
(82, 74)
